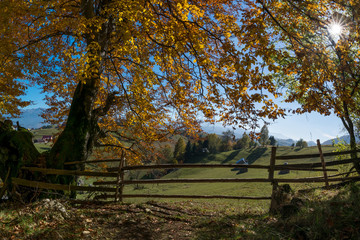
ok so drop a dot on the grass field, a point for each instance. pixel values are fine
(39, 133)
(259, 156)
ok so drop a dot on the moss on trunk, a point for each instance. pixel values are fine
(16, 150)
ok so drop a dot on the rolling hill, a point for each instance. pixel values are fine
(258, 156)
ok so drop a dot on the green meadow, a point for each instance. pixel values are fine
(258, 156)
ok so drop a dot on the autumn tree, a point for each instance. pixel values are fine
(214, 143)
(179, 151)
(226, 145)
(243, 142)
(167, 154)
(122, 75)
(11, 74)
(301, 143)
(316, 48)
(227, 141)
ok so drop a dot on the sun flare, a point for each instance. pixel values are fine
(337, 26)
(335, 29)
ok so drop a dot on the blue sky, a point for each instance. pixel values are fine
(34, 94)
(310, 126)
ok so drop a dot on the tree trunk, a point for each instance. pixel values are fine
(77, 140)
(349, 126)
(353, 144)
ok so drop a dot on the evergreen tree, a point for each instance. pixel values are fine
(206, 144)
(272, 141)
(264, 136)
(197, 147)
(188, 151)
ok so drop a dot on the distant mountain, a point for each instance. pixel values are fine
(311, 143)
(285, 142)
(218, 129)
(290, 142)
(278, 135)
(30, 118)
(346, 138)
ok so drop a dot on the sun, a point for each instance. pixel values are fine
(337, 26)
(335, 29)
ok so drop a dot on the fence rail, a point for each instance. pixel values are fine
(315, 155)
(306, 167)
(116, 186)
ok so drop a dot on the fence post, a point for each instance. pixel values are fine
(323, 163)
(271, 178)
(120, 179)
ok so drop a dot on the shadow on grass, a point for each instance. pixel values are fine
(201, 159)
(255, 154)
(231, 156)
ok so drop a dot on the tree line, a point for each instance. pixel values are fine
(186, 149)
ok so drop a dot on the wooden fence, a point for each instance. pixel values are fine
(114, 188)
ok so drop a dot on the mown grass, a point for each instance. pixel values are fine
(255, 156)
(39, 133)
(259, 156)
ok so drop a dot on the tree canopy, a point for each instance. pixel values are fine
(134, 71)
(301, 143)
(123, 75)
(317, 55)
